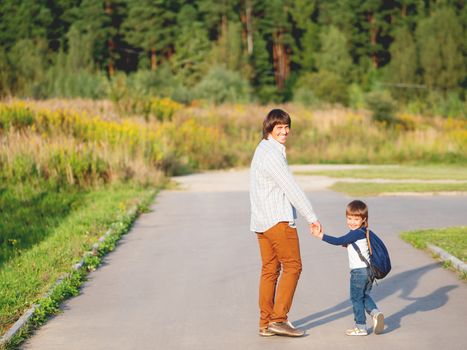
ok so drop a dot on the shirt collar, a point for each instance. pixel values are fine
(277, 145)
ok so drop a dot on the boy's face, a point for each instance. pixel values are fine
(354, 221)
(280, 133)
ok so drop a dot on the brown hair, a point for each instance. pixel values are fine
(358, 208)
(275, 117)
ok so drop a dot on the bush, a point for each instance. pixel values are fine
(356, 96)
(382, 106)
(163, 108)
(17, 117)
(326, 86)
(159, 83)
(61, 82)
(305, 97)
(449, 105)
(221, 85)
(267, 94)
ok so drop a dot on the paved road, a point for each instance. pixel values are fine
(186, 277)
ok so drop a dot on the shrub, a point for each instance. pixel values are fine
(221, 85)
(16, 116)
(356, 96)
(305, 97)
(382, 106)
(326, 86)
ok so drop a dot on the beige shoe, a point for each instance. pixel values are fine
(285, 328)
(378, 323)
(265, 332)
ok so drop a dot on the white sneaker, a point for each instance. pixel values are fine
(356, 331)
(378, 323)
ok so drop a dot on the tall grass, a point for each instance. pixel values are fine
(341, 136)
(74, 146)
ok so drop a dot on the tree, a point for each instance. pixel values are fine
(230, 50)
(28, 69)
(333, 56)
(192, 47)
(263, 71)
(80, 49)
(96, 21)
(306, 33)
(27, 19)
(367, 26)
(150, 26)
(401, 71)
(216, 15)
(439, 41)
(278, 32)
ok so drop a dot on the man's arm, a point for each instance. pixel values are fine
(277, 169)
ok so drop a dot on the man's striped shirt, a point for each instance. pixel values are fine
(274, 193)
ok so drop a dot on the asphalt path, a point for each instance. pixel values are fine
(186, 277)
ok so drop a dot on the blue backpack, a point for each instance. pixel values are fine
(379, 263)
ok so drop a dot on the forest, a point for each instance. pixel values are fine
(405, 54)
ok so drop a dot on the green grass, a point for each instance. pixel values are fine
(30, 213)
(452, 239)
(372, 188)
(395, 172)
(61, 236)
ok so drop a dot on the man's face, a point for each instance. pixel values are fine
(280, 133)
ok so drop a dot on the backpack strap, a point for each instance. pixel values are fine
(371, 278)
(362, 258)
(367, 233)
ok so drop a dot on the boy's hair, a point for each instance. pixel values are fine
(275, 117)
(358, 208)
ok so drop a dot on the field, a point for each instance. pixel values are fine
(71, 168)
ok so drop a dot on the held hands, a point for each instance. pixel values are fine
(316, 229)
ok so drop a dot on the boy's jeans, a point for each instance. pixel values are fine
(360, 287)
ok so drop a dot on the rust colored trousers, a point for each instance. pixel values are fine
(280, 250)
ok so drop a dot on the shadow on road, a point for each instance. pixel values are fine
(403, 283)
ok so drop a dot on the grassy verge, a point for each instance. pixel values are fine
(395, 172)
(372, 189)
(452, 239)
(32, 269)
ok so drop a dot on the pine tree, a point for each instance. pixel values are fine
(216, 15)
(192, 47)
(27, 19)
(94, 20)
(401, 71)
(263, 71)
(277, 30)
(305, 33)
(439, 41)
(150, 26)
(230, 51)
(333, 56)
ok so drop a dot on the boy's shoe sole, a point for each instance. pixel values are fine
(378, 323)
(356, 332)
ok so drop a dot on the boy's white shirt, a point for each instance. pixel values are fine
(354, 259)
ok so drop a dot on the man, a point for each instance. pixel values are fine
(274, 198)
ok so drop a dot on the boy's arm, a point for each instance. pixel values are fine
(349, 238)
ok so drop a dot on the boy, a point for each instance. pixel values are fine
(360, 279)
